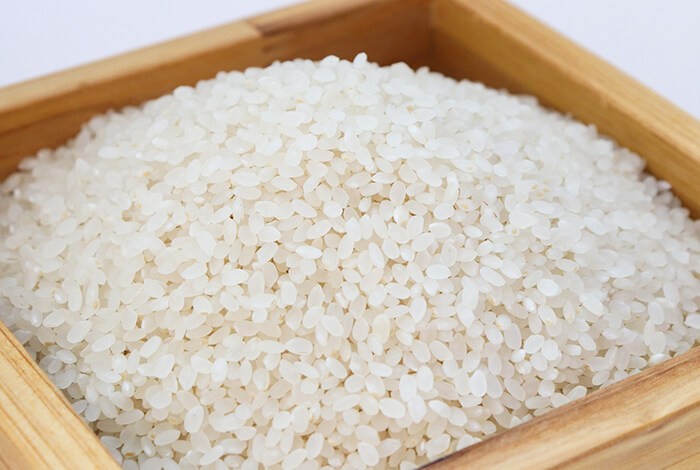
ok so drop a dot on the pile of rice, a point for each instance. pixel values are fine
(336, 264)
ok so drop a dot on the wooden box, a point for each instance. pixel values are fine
(649, 421)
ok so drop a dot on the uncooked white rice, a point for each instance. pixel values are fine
(336, 264)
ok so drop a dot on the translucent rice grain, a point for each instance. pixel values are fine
(693, 321)
(477, 383)
(166, 437)
(212, 455)
(78, 332)
(424, 379)
(381, 328)
(150, 346)
(492, 277)
(193, 419)
(314, 445)
(234, 277)
(309, 252)
(194, 271)
(548, 287)
(294, 459)
(332, 326)
(407, 387)
(368, 454)
(592, 304)
(219, 370)
(392, 408)
(103, 343)
(438, 272)
(299, 346)
(437, 445)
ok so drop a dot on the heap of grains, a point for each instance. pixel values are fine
(336, 264)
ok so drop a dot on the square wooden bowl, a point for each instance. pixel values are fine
(651, 420)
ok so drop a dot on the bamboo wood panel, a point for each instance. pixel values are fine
(652, 420)
(691, 463)
(38, 428)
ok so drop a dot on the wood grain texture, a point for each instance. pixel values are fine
(47, 111)
(38, 428)
(387, 30)
(651, 420)
(691, 463)
(493, 42)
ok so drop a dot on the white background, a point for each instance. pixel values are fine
(655, 41)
